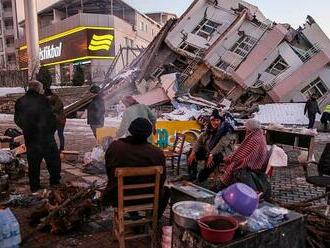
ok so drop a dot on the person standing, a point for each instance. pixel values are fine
(96, 110)
(34, 115)
(133, 111)
(326, 117)
(58, 110)
(311, 109)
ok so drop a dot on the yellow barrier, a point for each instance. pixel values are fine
(171, 127)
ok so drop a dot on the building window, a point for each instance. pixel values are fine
(157, 72)
(222, 65)
(142, 26)
(278, 66)
(244, 45)
(129, 42)
(1, 45)
(189, 48)
(2, 61)
(317, 87)
(146, 28)
(0, 27)
(206, 28)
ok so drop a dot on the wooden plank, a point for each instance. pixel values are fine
(138, 236)
(138, 222)
(137, 171)
(139, 186)
(139, 208)
(138, 197)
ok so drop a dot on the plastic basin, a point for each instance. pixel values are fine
(219, 229)
(241, 198)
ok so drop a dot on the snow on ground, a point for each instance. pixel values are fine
(20, 90)
(283, 113)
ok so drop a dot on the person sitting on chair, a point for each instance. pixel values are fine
(212, 145)
(251, 156)
(134, 151)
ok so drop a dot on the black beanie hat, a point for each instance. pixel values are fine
(140, 128)
(215, 114)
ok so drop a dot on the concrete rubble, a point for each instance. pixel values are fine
(226, 51)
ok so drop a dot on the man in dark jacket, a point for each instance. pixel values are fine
(34, 116)
(312, 108)
(58, 110)
(96, 110)
(134, 151)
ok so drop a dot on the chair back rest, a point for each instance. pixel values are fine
(324, 162)
(179, 143)
(140, 196)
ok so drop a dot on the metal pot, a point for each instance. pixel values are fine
(187, 212)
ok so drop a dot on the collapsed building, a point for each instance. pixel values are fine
(227, 51)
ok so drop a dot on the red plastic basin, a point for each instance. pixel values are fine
(221, 229)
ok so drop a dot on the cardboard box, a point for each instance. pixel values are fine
(70, 156)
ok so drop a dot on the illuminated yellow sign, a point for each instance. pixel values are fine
(100, 42)
(77, 44)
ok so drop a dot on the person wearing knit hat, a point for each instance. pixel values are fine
(134, 151)
(140, 129)
(212, 145)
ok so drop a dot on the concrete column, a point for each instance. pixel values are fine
(32, 37)
(58, 74)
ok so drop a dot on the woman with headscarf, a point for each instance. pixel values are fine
(212, 145)
(252, 154)
(133, 111)
(96, 110)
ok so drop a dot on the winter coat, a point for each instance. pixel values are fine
(312, 108)
(224, 143)
(96, 111)
(34, 115)
(58, 109)
(127, 153)
(133, 112)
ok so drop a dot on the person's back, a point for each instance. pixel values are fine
(131, 152)
(96, 111)
(34, 116)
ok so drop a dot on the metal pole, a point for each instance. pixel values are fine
(32, 37)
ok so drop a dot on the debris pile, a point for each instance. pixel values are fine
(317, 224)
(65, 209)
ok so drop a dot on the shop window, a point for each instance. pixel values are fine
(206, 28)
(278, 66)
(244, 45)
(189, 48)
(222, 65)
(317, 87)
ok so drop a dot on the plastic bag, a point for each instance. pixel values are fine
(278, 158)
(258, 221)
(6, 157)
(9, 229)
(222, 206)
(98, 154)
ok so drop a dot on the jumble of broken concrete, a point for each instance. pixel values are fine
(225, 54)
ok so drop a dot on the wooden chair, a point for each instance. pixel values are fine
(119, 223)
(176, 151)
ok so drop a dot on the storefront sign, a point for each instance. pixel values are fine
(50, 52)
(78, 44)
